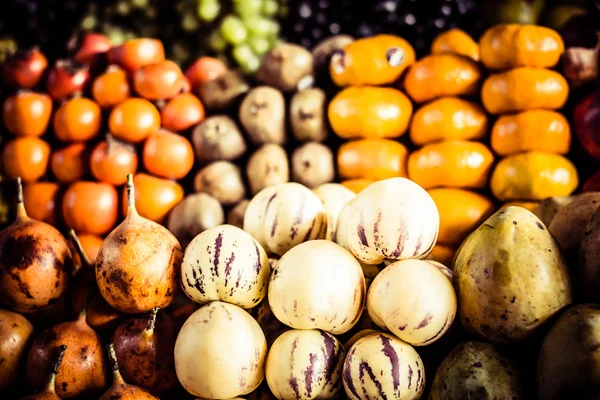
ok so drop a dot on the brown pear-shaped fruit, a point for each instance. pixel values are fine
(15, 335)
(35, 262)
(83, 370)
(119, 389)
(138, 263)
(145, 348)
(49, 392)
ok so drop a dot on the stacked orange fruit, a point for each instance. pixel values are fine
(369, 114)
(451, 163)
(530, 134)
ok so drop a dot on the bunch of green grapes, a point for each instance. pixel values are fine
(241, 30)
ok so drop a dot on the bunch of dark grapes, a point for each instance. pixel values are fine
(418, 21)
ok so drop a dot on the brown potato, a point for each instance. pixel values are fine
(268, 166)
(324, 50)
(262, 114)
(569, 223)
(312, 165)
(235, 216)
(308, 115)
(548, 208)
(589, 259)
(222, 92)
(222, 180)
(285, 65)
(193, 215)
(218, 138)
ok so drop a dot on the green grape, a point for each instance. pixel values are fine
(190, 23)
(245, 57)
(250, 65)
(247, 8)
(259, 45)
(233, 30)
(259, 26)
(208, 10)
(270, 8)
(216, 41)
(89, 22)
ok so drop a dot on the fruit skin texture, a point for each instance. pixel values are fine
(83, 368)
(475, 367)
(225, 263)
(27, 113)
(456, 41)
(168, 155)
(111, 88)
(528, 205)
(417, 316)
(24, 70)
(507, 46)
(448, 118)
(76, 120)
(370, 112)
(403, 376)
(451, 163)
(568, 225)
(524, 88)
(305, 364)
(439, 75)
(182, 112)
(25, 157)
(70, 163)
(461, 211)
(568, 361)
(531, 130)
(136, 53)
(90, 207)
(220, 352)
(154, 197)
(589, 264)
(42, 201)
(162, 80)
(111, 161)
(372, 159)
(15, 335)
(67, 78)
(510, 277)
(366, 61)
(310, 268)
(133, 120)
(533, 176)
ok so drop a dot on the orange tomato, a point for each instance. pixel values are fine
(90, 207)
(162, 80)
(376, 60)
(370, 112)
(532, 130)
(168, 155)
(443, 253)
(66, 79)
(205, 69)
(111, 161)
(24, 68)
(92, 46)
(182, 112)
(91, 245)
(78, 119)
(533, 176)
(528, 205)
(456, 41)
(154, 197)
(461, 212)
(357, 185)
(133, 120)
(26, 157)
(439, 75)
(373, 159)
(27, 113)
(70, 163)
(451, 163)
(514, 45)
(448, 118)
(42, 201)
(111, 88)
(524, 88)
(136, 53)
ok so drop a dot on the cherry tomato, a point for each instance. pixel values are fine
(133, 120)
(136, 53)
(24, 69)
(42, 200)
(182, 112)
(163, 80)
(111, 88)
(78, 119)
(92, 45)
(205, 69)
(90, 207)
(67, 79)
(27, 113)
(111, 161)
(168, 155)
(70, 163)
(26, 157)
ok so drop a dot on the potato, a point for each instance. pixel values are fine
(268, 166)
(195, 214)
(475, 370)
(225, 263)
(222, 92)
(284, 66)
(262, 114)
(312, 165)
(568, 365)
(548, 208)
(218, 138)
(510, 277)
(222, 180)
(589, 259)
(381, 366)
(392, 219)
(334, 197)
(569, 223)
(324, 50)
(220, 352)
(305, 365)
(414, 300)
(308, 115)
(235, 216)
(318, 285)
(283, 216)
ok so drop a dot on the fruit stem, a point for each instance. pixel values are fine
(21, 212)
(50, 387)
(151, 322)
(114, 365)
(130, 195)
(85, 261)
(83, 313)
